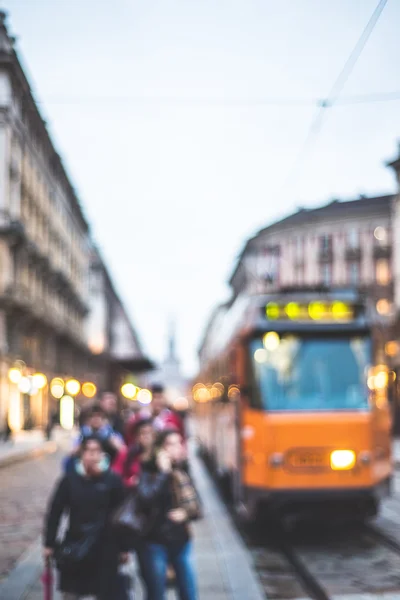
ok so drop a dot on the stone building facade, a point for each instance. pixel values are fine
(53, 322)
(43, 251)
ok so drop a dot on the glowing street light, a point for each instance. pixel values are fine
(57, 388)
(145, 396)
(24, 385)
(39, 381)
(14, 375)
(89, 389)
(67, 412)
(129, 391)
(73, 387)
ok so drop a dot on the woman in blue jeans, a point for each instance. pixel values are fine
(167, 493)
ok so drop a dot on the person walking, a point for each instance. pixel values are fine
(129, 466)
(166, 490)
(89, 555)
(97, 425)
(109, 404)
(128, 463)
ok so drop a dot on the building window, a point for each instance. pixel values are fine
(325, 242)
(354, 273)
(382, 272)
(326, 274)
(353, 238)
(298, 247)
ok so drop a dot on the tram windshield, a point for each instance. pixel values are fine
(293, 373)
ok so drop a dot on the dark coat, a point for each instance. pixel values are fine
(155, 494)
(90, 502)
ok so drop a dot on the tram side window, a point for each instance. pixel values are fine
(311, 374)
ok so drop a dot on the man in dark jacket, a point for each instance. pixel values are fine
(88, 557)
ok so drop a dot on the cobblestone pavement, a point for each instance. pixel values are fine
(24, 492)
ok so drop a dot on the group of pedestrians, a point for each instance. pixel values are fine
(138, 465)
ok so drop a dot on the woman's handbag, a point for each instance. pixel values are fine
(73, 554)
(131, 517)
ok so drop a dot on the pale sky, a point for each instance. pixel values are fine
(161, 111)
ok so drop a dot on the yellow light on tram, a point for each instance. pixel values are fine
(89, 389)
(57, 388)
(342, 460)
(316, 310)
(340, 310)
(261, 355)
(73, 387)
(293, 310)
(39, 381)
(271, 341)
(272, 311)
(129, 391)
(145, 396)
(14, 375)
(67, 410)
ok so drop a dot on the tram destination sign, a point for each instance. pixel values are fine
(336, 311)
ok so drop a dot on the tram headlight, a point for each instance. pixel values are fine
(343, 460)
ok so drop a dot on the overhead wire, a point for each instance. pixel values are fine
(333, 95)
(369, 98)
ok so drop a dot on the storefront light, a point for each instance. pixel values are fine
(129, 391)
(145, 396)
(39, 381)
(67, 410)
(89, 389)
(14, 375)
(24, 385)
(57, 388)
(73, 387)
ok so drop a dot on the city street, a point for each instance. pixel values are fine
(200, 299)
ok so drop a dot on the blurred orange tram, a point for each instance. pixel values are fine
(292, 405)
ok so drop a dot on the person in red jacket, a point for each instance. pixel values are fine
(163, 417)
(129, 460)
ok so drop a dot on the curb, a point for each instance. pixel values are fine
(23, 455)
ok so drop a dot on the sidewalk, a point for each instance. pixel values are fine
(223, 565)
(30, 444)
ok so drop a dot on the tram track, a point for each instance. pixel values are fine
(323, 561)
(319, 565)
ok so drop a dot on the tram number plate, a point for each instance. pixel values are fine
(307, 459)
